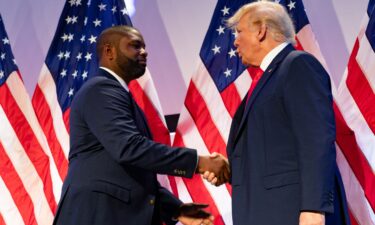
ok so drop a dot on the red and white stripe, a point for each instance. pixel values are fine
(144, 93)
(26, 182)
(204, 124)
(356, 99)
(51, 119)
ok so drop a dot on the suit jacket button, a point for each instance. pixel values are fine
(152, 202)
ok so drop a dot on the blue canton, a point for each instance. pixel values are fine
(370, 30)
(218, 53)
(7, 62)
(71, 58)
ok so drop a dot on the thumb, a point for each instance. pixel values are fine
(214, 155)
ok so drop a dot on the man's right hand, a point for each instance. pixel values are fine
(217, 166)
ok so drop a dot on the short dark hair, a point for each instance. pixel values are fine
(112, 35)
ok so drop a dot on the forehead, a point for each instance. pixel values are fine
(243, 22)
(133, 35)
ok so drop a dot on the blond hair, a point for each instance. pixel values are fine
(273, 15)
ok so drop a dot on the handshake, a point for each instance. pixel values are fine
(214, 168)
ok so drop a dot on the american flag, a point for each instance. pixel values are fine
(356, 124)
(26, 195)
(220, 83)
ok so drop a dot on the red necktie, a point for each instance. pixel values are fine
(256, 73)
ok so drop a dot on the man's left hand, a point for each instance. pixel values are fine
(312, 218)
(192, 214)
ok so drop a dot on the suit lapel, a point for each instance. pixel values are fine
(263, 80)
(140, 118)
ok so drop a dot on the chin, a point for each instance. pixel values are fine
(140, 72)
(245, 63)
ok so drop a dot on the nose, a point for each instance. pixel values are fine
(144, 52)
(236, 43)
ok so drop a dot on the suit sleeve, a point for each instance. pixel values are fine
(308, 103)
(108, 113)
(169, 205)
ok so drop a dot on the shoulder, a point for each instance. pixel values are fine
(100, 89)
(302, 66)
(300, 56)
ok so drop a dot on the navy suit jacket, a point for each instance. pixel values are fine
(281, 146)
(113, 163)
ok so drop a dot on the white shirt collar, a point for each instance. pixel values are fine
(122, 82)
(271, 55)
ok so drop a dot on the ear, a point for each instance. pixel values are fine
(262, 33)
(109, 52)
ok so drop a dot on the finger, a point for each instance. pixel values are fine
(214, 155)
(197, 222)
(206, 174)
(214, 181)
(211, 177)
(208, 221)
(227, 174)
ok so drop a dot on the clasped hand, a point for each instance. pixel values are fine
(215, 168)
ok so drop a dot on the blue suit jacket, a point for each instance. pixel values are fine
(281, 146)
(113, 163)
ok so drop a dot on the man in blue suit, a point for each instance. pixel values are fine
(112, 160)
(281, 146)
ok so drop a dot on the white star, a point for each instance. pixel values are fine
(6, 41)
(74, 19)
(228, 72)
(68, 20)
(75, 74)
(63, 73)
(84, 74)
(79, 56)
(60, 55)
(64, 37)
(216, 49)
(89, 3)
(97, 22)
(114, 9)
(92, 39)
(225, 10)
(88, 56)
(102, 7)
(83, 38)
(78, 2)
(291, 5)
(85, 21)
(2, 56)
(232, 53)
(124, 11)
(70, 37)
(72, 2)
(71, 92)
(67, 55)
(14, 61)
(1, 74)
(220, 30)
(235, 34)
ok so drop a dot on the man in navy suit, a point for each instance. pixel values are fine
(281, 146)
(112, 160)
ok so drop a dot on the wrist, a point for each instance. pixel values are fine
(201, 163)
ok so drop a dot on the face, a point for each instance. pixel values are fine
(247, 42)
(132, 56)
